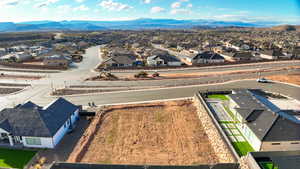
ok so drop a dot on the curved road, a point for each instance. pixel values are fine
(39, 92)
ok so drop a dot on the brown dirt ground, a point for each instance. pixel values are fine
(34, 63)
(9, 90)
(168, 133)
(5, 76)
(164, 76)
(290, 78)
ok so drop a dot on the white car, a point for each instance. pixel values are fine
(262, 80)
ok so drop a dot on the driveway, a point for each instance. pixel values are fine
(66, 146)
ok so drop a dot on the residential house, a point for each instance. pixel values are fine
(296, 53)
(264, 126)
(205, 57)
(17, 56)
(20, 48)
(2, 52)
(271, 54)
(238, 45)
(57, 61)
(238, 56)
(163, 60)
(273, 160)
(121, 61)
(38, 50)
(30, 125)
(219, 49)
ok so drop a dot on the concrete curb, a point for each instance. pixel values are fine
(141, 102)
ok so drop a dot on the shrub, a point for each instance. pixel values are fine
(141, 74)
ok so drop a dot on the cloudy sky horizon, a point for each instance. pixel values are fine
(285, 11)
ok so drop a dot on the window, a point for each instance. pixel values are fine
(275, 143)
(33, 141)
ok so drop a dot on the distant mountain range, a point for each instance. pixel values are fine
(124, 25)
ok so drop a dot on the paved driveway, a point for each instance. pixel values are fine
(66, 146)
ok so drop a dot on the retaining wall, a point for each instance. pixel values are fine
(218, 139)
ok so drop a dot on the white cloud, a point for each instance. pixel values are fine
(176, 5)
(147, 1)
(114, 6)
(9, 2)
(81, 8)
(157, 9)
(45, 3)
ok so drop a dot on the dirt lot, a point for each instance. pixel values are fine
(9, 90)
(168, 133)
(291, 78)
(27, 77)
(164, 76)
(34, 63)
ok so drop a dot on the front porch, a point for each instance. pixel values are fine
(7, 140)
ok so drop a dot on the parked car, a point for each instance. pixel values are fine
(263, 80)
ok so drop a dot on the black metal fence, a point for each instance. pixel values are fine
(105, 166)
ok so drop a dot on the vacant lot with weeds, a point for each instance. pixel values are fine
(168, 133)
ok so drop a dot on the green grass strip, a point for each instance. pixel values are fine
(15, 158)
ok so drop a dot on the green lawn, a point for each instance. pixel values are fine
(242, 148)
(226, 122)
(268, 165)
(218, 96)
(15, 158)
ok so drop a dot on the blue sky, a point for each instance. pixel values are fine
(285, 11)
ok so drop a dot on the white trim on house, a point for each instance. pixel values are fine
(44, 142)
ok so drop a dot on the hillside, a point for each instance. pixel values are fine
(143, 23)
(286, 28)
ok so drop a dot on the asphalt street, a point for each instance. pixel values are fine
(40, 90)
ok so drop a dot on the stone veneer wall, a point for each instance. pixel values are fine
(216, 140)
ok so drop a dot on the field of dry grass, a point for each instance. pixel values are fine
(290, 78)
(168, 133)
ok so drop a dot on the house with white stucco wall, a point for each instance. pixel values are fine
(264, 126)
(32, 126)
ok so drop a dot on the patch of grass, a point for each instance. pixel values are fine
(218, 96)
(226, 122)
(242, 148)
(15, 158)
(268, 165)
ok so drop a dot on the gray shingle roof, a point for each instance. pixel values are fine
(209, 56)
(166, 57)
(256, 115)
(283, 130)
(26, 120)
(266, 124)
